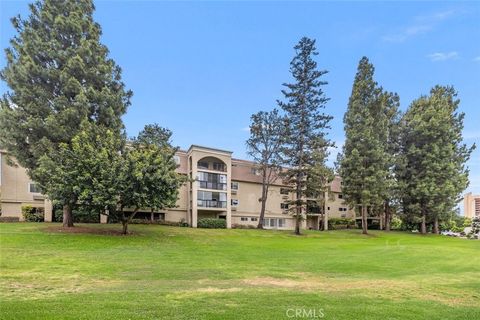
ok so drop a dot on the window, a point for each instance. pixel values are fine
(176, 159)
(284, 191)
(255, 171)
(209, 180)
(328, 208)
(342, 209)
(219, 166)
(234, 185)
(343, 215)
(34, 188)
(235, 202)
(274, 222)
(244, 219)
(253, 219)
(202, 165)
(284, 206)
(340, 196)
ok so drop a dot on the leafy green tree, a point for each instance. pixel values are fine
(105, 174)
(266, 138)
(59, 74)
(149, 181)
(363, 162)
(305, 143)
(85, 171)
(432, 172)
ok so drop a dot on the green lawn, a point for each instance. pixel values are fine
(182, 273)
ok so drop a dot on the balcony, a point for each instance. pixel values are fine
(211, 204)
(212, 185)
(212, 164)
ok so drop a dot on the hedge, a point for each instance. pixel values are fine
(33, 214)
(340, 223)
(212, 223)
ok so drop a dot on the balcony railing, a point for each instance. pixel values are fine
(211, 204)
(213, 185)
(314, 210)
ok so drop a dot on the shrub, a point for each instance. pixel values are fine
(212, 223)
(457, 229)
(475, 232)
(181, 223)
(33, 214)
(243, 226)
(81, 214)
(341, 223)
(396, 223)
(9, 219)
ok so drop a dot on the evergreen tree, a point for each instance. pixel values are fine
(391, 104)
(266, 138)
(363, 162)
(432, 172)
(59, 74)
(306, 143)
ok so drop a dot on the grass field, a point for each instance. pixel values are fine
(164, 272)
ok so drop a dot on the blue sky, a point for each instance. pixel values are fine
(202, 68)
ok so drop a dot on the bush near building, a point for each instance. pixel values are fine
(212, 223)
(341, 223)
(33, 214)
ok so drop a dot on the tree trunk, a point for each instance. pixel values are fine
(297, 224)
(126, 220)
(387, 216)
(435, 226)
(325, 221)
(124, 226)
(364, 220)
(262, 209)
(424, 224)
(67, 216)
(298, 208)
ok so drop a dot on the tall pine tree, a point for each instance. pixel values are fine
(433, 173)
(390, 104)
(306, 144)
(59, 74)
(363, 162)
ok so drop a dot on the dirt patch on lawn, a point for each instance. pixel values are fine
(389, 289)
(30, 289)
(87, 230)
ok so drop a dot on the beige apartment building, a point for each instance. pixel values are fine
(471, 205)
(224, 187)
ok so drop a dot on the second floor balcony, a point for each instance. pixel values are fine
(212, 185)
(211, 204)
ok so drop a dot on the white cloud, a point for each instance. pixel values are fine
(476, 59)
(471, 135)
(246, 129)
(407, 33)
(443, 56)
(420, 25)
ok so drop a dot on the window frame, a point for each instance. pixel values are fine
(30, 184)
